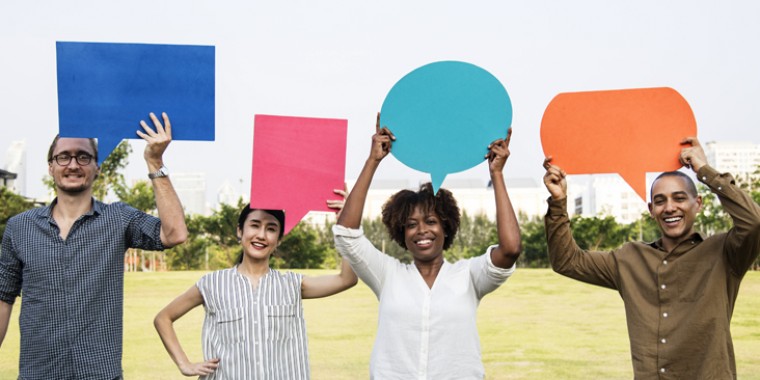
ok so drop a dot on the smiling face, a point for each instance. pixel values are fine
(674, 207)
(259, 235)
(424, 235)
(73, 178)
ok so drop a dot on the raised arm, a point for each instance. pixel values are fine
(566, 258)
(323, 286)
(351, 216)
(173, 228)
(327, 285)
(510, 243)
(164, 323)
(743, 240)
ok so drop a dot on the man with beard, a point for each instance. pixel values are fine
(67, 260)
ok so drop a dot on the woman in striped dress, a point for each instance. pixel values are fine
(254, 326)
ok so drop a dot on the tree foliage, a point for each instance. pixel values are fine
(533, 236)
(139, 196)
(10, 205)
(301, 248)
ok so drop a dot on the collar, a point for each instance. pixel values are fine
(693, 239)
(97, 208)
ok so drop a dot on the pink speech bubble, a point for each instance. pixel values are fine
(297, 162)
(630, 132)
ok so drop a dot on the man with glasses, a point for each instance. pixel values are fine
(67, 260)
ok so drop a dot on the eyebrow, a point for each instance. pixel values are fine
(70, 153)
(659, 195)
(275, 224)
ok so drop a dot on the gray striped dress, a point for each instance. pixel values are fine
(256, 333)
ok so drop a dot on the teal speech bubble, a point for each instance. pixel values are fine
(444, 115)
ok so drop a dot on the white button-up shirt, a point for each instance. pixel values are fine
(423, 333)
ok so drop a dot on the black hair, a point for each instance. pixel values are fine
(691, 188)
(277, 214)
(399, 206)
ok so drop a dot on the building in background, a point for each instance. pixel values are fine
(228, 194)
(15, 162)
(605, 195)
(191, 189)
(742, 159)
(7, 179)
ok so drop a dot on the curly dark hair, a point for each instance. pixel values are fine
(399, 206)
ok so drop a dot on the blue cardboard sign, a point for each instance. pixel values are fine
(105, 89)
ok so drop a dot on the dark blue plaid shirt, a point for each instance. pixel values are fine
(72, 290)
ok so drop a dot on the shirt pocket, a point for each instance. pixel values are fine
(281, 321)
(230, 325)
(692, 280)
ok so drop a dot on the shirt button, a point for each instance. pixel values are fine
(704, 178)
(720, 187)
(665, 315)
(662, 370)
(663, 286)
(663, 340)
(665, 262)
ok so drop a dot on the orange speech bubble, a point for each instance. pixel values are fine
(629, 132)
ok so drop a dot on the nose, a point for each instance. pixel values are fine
(670, 206)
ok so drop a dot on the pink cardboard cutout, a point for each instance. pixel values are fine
(297, 162)
(630, 132)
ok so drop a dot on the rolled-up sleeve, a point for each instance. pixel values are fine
(486, 276)
(369, 263)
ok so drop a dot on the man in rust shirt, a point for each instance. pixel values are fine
(679, 291)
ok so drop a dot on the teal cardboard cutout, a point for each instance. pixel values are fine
(444, 115)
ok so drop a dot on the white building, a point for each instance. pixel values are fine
(741, 159)
(15, 162)
(227, 194)
(605, 195)
(191, 189)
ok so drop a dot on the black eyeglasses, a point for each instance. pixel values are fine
(64, 159)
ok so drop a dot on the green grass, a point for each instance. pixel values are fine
(539, 325)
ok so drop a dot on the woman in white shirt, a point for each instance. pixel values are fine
(427, 315)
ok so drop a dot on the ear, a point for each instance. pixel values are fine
(239, 234)
(97, 171)
(699, 203)
(50, 168)
(649, 206)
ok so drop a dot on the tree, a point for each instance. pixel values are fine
(11, 204)
(599, 233)
(139, 196)
(475, 235)
(301, 248)
(712, 219)
(535, 248)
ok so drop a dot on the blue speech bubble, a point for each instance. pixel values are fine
(105, 89)
(444, 115)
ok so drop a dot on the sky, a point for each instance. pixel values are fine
(339, 59)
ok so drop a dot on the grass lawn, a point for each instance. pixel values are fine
(539, 325)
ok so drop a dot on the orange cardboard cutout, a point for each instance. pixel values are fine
(630, 132)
